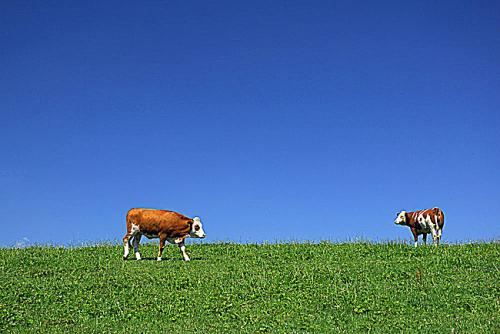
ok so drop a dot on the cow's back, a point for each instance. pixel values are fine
(435, 214)
(152, 221)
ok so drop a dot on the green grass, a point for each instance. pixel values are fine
(232, 288)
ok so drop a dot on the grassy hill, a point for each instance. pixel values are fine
(232, 288)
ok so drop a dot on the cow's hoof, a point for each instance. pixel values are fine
(124, 258)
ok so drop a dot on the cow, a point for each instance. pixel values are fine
(423, 222)
(167, 225)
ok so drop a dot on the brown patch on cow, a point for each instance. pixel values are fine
(155, 222)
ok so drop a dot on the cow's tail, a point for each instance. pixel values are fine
(438, 213)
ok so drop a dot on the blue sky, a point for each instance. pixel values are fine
(272, 120)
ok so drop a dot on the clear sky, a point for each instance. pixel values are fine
(271, 120)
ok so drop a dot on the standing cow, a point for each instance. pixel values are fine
(167, 225)
(423, 222)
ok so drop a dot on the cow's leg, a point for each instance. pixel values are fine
(182, 247)
(132, 231)
(415, 236)
(434, 235)
(424, 238)
(438, 229)
(137, 240)
(160, 250)
(438, 236)
(126, 246)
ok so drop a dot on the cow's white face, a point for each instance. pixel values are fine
(197, 229)
(401, 218)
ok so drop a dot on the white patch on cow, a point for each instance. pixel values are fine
(425, 223)
(401, 218)
(197, 229)
(135, 228)
(433, 227)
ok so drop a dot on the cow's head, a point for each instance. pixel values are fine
(401, 218)
(197, 229)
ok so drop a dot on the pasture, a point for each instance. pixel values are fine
(247, 288)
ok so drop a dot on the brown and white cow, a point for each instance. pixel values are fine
(423, 222)
(167, 225)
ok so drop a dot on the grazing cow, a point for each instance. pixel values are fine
(423, 222)
(167, 225)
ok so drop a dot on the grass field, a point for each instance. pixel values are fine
(233, 288)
